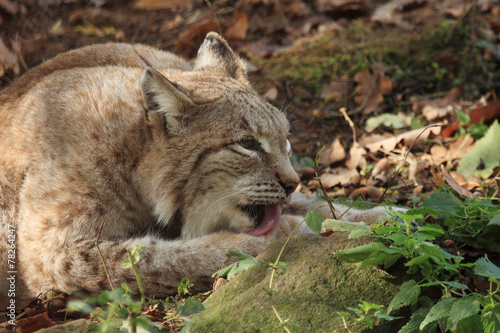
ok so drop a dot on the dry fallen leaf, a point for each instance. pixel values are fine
(191, 39)
(357, 157)
(8, 58)
(413, 138)
(368, 192)
(338, 176)
(370, 89)
(439, 108)
(335, 90)
(457, 187)
(332, 154)
(239, 28)
(33, 324)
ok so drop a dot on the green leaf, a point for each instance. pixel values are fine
(367, 306)
(495, 220)
(230, 271)
(469, 324)
(491, 319)
(79, 306)
(413, 326)
(433, 229)
(461, 309)
(484, 267)
(240, 255)
(381, 258)
(382, 315)
(184, 287)
(442, 201)
(314, 220)
(399, 239)
(439, 311)
(360, 253)
(357, 229)
(407, 295)
(454, 284)
(190, 307)
(486, 152)
(392, 120)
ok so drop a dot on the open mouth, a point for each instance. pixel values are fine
(265, 217)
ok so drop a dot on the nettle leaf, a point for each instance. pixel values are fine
(357, 229)
(491, 319)
(246, 261)
(190, 307)
(485, 152)
(381, 258)
(399, 239)
(433, 230)
(484, 267)
(469, 324)
(461, 309)
(360, 253)
(413, 326)
(407, 295)
(439, 311)
(442, 201)
(240, 255)
(230, 271)
(314, 220)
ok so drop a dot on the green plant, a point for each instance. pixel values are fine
(116, 311)
(365, 313)
(399, 240)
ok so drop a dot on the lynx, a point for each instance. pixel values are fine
(187, 160)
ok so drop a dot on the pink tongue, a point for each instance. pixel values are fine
(271, 218)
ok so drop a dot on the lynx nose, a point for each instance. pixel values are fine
(290, 184)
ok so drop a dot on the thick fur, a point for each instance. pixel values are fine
(165, 157)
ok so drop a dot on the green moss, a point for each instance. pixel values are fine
(315, 287)
(409, 57)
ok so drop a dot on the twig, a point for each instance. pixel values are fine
(344, 113)
(100, 255)
(20, 55)
(327, 197)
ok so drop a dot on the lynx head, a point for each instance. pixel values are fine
(225, 157)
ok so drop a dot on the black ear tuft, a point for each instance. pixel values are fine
(215, 53)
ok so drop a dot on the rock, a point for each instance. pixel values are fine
(314, 288)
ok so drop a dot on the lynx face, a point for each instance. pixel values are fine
(230, 146)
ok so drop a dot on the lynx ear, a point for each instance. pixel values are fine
(215, 53)
(161, 97)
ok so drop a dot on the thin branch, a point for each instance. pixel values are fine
(100, 255)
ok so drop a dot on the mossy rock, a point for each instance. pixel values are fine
(314, 288)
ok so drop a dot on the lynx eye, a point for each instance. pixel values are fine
(288, 148)
(250, 144)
